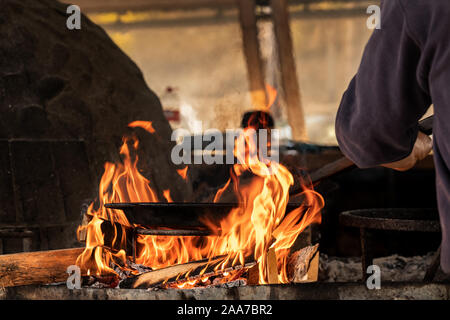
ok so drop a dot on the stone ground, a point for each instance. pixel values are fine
(304, 291)
(393, 268)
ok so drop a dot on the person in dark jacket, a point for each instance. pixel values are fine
(404, 69)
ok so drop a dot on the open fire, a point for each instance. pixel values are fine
(259, 224)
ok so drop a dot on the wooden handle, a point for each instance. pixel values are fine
(425, 126)
(331, 169)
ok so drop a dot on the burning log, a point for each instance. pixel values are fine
(205, 273)
(179, 274)
(271, 267)
(41, 267)
(155, 277)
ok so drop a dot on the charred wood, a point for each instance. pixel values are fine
(184, 272)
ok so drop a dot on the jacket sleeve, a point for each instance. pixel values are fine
(377, 119)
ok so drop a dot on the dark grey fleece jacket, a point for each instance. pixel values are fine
(405, 68)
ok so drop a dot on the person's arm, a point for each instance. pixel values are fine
(421, 149)
(377, 121)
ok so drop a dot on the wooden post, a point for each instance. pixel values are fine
(252, 53)
(289, 79)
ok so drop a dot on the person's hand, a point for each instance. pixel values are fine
(422, 148)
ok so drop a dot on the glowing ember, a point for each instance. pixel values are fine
(259, 222)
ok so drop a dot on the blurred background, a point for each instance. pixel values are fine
(192, 55)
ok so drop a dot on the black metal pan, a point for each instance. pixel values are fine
(177, 215)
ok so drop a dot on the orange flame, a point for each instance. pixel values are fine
(259, 222)
(183, 172)
(146, 125)
(166, 194)
(271, 95)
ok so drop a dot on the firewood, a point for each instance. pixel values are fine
(272, 267)
(82, 234)
(152, 278)
(253, 275)
(301, 263)
(41, 267)
(177, 274)
(209, 271)
(313, 269)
